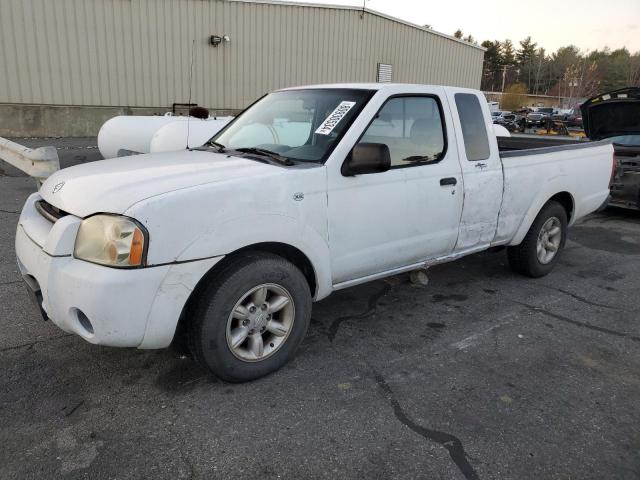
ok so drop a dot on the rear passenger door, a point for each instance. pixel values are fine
(481, 171)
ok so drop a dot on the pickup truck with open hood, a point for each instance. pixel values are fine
(309, 190)
(616, 116)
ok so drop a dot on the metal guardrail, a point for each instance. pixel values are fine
(38, 163)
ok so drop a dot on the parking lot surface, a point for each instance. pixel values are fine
(481, 374)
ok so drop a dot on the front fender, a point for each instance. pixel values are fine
(238, 233)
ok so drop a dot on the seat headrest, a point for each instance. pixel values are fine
(425, 130)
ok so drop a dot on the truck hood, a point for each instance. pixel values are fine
(612, 114)
(114, 185)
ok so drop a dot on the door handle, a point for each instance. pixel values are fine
(448, 181)
(481, 165)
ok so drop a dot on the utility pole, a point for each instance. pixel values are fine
(559, 90)
(538, 73)
(504, 76)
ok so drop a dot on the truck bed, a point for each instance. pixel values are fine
(518, 146)
(529, 142)
(625, 188)
(536, 168)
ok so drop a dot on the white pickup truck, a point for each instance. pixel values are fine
(309, 190)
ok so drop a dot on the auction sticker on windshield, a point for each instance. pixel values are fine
(334, 118)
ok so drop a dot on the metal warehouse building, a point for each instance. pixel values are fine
(67, 65)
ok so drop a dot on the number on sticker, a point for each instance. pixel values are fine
(334, 118)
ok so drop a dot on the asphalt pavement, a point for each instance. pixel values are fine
(481, 374)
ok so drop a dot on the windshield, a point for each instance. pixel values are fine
(303, 125)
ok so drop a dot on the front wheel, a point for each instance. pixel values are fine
(539, 251)
(251, 317)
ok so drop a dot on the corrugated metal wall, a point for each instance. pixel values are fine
(137, 52)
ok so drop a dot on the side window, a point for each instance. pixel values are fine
(411, 127)
(474, 131)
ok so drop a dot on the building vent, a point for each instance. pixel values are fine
(385, 73)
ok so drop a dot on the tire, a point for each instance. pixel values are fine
(212, 328)
(525, 258)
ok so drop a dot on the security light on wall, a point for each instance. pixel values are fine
(216, 40)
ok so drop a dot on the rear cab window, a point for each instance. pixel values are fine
(474, 130)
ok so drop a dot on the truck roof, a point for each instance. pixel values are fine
(409, 87)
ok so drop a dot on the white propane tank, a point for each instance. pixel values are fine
(131, 132)
(500, 131)
(173, 136)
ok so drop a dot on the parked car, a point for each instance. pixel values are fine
(614, 116)
(500, 117)
(561, 114)
(308, 191)
(575, 118)
(508, 120)
(514, 125)
(539, 117)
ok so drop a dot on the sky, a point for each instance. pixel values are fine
(588, 24)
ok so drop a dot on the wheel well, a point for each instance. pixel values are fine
(288, 252)
(566, 200)
(292, 254)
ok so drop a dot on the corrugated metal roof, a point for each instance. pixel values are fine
(365, 10)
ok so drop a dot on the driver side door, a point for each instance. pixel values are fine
(389, 220)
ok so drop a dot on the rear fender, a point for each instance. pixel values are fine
(554, 187)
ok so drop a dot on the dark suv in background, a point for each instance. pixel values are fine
(538, 118)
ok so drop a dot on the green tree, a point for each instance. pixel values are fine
(458, 34)
(567, 72)
(560, 64)
(525, 60)
(540, 66)
(492, 67)
(508, 53)
(509, 65)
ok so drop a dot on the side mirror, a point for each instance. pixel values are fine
(367, 158)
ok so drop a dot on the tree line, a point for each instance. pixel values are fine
(568, 72)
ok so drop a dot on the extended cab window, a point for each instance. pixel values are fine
(474, 130)
(411, 127)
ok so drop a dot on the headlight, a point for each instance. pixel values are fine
(111, 240)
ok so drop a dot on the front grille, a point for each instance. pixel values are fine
(49, 212)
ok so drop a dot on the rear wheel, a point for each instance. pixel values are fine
(539, 251)
(249, 320)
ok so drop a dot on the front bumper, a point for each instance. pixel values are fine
(106, 306)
